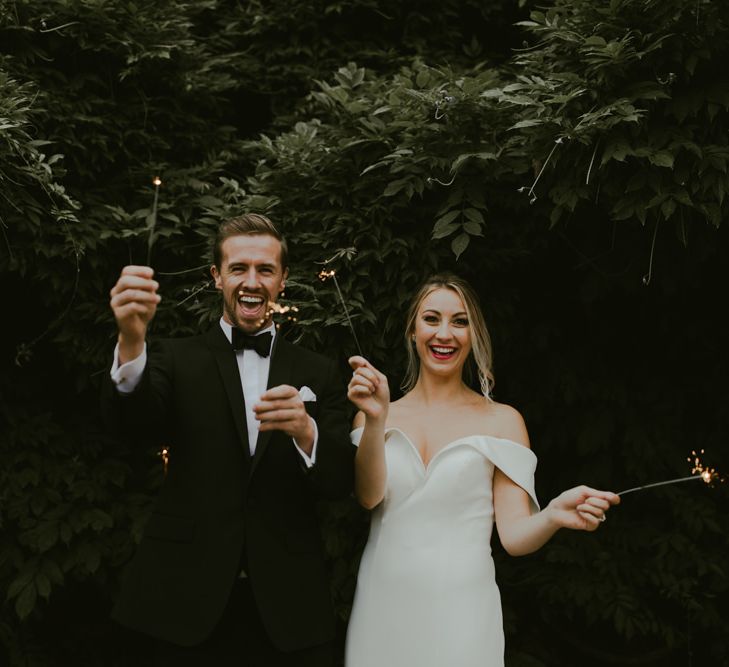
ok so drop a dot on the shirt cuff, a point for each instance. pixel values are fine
(309, 460)
(127, 376)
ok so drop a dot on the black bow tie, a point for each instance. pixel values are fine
(260, 343)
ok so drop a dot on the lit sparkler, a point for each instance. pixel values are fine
(164, 454)
(276, 308)
(325, 274)
(698, 471)
(152, 220)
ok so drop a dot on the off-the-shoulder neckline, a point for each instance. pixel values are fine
(447, 445)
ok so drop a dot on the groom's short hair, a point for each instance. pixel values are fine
(248, 224)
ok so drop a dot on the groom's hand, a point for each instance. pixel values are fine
(134, 302)
(281, 409)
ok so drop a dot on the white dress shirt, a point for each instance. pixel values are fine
(253, 370)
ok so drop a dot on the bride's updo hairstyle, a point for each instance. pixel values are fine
(480, 355)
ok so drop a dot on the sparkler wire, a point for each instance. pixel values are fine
(669, 481)
(333, 275)
(150, 238)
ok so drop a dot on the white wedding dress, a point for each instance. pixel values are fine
(426, 593)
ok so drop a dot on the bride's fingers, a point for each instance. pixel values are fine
(609, 496)
(368, 374)
(361, 383)
(598, 502)
(359, 392)
(356, 362)
(591, 521)
(586, 510)
(365, 375)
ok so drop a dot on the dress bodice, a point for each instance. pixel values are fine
(458, 477)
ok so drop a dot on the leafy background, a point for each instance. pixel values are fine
(569, 159)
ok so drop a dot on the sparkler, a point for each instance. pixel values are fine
(164, 454)
(156, 181)
(705, 474)
(324, 275)
(275, 308)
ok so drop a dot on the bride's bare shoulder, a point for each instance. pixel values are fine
(507, 423)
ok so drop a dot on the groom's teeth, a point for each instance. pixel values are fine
(250, 299)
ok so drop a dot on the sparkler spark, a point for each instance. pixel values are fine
(706, 473)
(275, 308)
(164, 454)
(698, 471)
(324, 275)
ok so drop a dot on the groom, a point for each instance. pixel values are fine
(230, 569)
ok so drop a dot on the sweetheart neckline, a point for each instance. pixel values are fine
(494, 456)
(448, 445)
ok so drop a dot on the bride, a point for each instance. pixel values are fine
(438, 467)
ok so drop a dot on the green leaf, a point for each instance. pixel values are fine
(527, 122)
(19, 583)
(47, 536)
(473, 228)
(422, 79)
(43, 585)
(486, 156)
(445, 230)
(447, 218)
(51, 570)
(459, 244)
(395, 186)
(661, 159)
(667, 208)
(474, 215)
(25, 603)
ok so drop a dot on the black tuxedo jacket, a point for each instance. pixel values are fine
(219, 507)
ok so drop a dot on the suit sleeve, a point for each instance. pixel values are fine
(142, 414)
(332, 476)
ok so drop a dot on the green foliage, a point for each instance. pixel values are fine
(29, 179)
(633, 94)
(70, 504)
(284, 46)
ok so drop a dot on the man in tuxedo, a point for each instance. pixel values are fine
(230, 568)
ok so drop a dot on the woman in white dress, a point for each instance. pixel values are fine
(437, 467)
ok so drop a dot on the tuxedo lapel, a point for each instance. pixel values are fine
(279, 372)
(228, 369)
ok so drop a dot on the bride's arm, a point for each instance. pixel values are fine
(368, 390)
(370, 471)
(521, 532)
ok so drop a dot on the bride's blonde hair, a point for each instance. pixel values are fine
(480, 339)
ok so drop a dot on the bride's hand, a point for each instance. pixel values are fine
(368, 388)
(582, 508)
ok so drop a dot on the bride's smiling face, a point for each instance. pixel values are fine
(442, 332)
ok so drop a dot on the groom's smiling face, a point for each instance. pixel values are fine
(251, 278)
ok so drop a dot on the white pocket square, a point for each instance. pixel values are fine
(307, 394)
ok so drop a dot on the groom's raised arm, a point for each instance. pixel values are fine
(134, 393)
